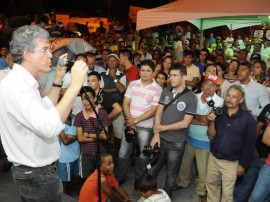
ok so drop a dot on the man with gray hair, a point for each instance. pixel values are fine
(233, 135)
(30, 124)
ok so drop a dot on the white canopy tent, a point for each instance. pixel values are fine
(232, 23)
(206, 14)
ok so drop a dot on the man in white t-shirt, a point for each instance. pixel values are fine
(193, 72)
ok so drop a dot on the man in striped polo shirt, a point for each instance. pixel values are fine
(139, 105)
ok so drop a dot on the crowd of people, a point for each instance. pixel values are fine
(206, 107)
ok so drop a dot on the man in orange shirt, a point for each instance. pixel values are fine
(109, 184)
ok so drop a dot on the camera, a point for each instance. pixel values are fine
(153, 152)
(149, 150)
(217, 110)
(130, 134)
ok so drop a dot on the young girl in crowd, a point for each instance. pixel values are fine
(259, 72)
(164, 66)
(161, 79)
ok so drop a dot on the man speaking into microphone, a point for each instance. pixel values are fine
(30, 124)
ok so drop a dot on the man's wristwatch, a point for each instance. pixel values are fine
(135, 121)
(115, 80)
(87, 135)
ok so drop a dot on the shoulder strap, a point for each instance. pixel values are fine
(176, 97)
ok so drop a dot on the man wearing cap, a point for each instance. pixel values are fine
(255, 57)
(186, 45)
(233, 138)
(198, 142)
(114, 83)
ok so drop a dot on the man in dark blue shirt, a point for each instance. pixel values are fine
(233, 139)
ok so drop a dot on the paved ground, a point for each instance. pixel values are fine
(8, 192)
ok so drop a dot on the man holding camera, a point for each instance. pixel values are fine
(176, 109)
(139, 105)
(233, 138)
(198, 142)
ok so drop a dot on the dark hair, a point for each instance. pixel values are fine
(219, 55)
(221, 50)
(148, 63)
(222, 66)
(235, 60)
(211, 65)
(263, 74)
(181, 68)
(210, 58)
(136, 54)
(90, 54)
(94, 73)
(247, 64)
(87, 89)
(147, 183)
(204, 50)
(243, 50)
(104, 154)
(105, 49)
(163, 73)
(167, 57)
(127, 53)
(157, 51)
(80, 55)
(188, 53)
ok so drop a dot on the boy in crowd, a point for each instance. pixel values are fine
(147, 187)
(68, 164)
(109, 184)
(86, 122)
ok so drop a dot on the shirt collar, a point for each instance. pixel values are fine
(93, 115)
(117, 72)
(25, 74)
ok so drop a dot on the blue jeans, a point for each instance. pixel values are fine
(144, 136)
(171, 155)
(38, 184)
(261, 190)
(244, 186)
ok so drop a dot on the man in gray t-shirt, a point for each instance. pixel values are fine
(171, 123)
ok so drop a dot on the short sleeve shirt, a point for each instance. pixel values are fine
(185, 104)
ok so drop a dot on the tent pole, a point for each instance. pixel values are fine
(201, 34)
(201, 38)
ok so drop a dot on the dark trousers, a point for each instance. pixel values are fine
(40, 184)
(171, 155)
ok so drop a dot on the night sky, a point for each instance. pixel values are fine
(85, 8)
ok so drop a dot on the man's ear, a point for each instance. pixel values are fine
(241, 101)
(27, 56)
